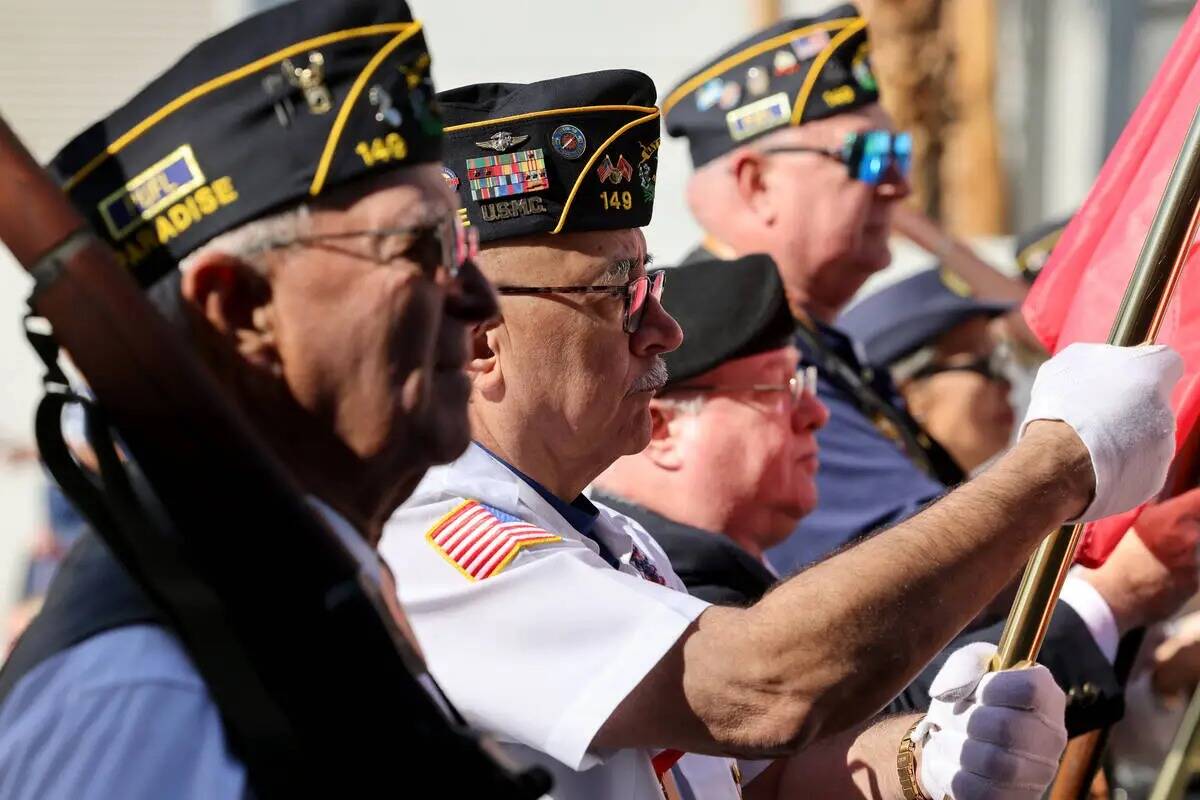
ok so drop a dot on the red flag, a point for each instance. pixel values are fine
(1075, 298)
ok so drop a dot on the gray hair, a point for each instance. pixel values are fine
(251, 240)
(247, 242)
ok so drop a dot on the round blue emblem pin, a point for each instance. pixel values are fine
(451, 178)
(568, 141)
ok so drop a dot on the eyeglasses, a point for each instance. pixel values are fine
(443, 246)
(802, 384)
(868, 155)
(986, 366)
(636, 293)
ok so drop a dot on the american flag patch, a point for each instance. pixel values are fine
(480, 541)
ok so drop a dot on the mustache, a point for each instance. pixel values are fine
(654, 378)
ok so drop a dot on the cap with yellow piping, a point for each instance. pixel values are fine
(1035, 246)
(793, 72)
(578, 153)
(279, 108)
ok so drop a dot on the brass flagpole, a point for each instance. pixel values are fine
(1138, 319)
(1173, 777)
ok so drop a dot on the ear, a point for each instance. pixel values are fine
(487, 338)
(236, 301)
(749, 173)
(664, 449)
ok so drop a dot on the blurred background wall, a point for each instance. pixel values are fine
(1015, 104)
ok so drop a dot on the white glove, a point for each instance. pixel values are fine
(1117, 399)
(992, 735)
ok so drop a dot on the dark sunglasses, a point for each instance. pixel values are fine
(987, 367)
(868, 155)
(444, 245)
(636, 293)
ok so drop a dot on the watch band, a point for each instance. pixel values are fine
(906, 766)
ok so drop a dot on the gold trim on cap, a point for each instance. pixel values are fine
(810, 80)
(335, 133)
(125, 139)
(725, 64)
(650, 117)
(1047, 242)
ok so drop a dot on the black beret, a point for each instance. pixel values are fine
(281, 107)
(1035, 246)
(905, 316)
(578, 153)
(793, 72)
(728, 310)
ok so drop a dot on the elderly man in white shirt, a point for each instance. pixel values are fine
(559, 627)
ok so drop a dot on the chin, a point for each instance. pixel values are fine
(639, 432)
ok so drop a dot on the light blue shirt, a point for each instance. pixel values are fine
(122, 714)
(125, 714)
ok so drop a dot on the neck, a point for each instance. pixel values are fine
(563, 478)
(365, 494)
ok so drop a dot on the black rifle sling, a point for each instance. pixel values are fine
(289, 739)
(258, 730)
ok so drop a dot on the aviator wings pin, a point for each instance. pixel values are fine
(501, 141)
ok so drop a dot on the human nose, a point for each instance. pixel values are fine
(809, 414)
(659, 332)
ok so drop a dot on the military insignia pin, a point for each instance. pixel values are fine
(730, 95)
(501, 141)
(810, 46)
(568, 141)
(757, 81)
(311, 81)
(451, 178)
(759, 116)
(785, 63)
(507, 174)
(708, 94)
(645, 568)
(860, 67)
(386, 111)
(615, 173)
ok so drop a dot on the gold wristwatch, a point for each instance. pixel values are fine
(906, 766)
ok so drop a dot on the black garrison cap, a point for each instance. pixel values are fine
(1035, 246)
(578, 153)
(793, 72)
(728, 310)
(905, 316)
(281, 107)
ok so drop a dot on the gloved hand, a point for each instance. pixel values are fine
(1117, 401)
(995, 735)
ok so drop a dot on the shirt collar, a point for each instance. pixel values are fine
(580, 513)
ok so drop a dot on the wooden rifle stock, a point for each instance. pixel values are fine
(340, 707)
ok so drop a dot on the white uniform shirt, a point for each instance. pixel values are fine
(531, 634)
